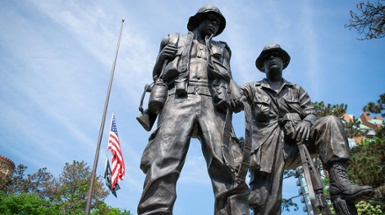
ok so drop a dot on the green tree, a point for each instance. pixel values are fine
(18, 183)
(326, 110)
(286, 204)
(364, 208)
(352, 128)
(74, 182)
(369, 20)
(41, 183)
(369, 163)
(376, 108)
(104, 209)
(368, 166)
(68, 193)
(26, 203)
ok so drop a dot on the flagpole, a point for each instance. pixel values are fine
(93, 174)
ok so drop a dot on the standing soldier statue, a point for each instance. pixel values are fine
(192, 94)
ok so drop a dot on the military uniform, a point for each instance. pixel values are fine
(282, 116)
(273, 151)
(193, 110)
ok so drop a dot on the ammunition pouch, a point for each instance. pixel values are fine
(215, 63)
(180, 87)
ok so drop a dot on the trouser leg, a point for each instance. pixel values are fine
(329, 140)
(266, 189)
(164, 157)
(159, 190)
(230, 198)
(333, 149)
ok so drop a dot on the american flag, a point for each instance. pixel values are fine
(118, 167)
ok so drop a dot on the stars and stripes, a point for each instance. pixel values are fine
(118, 167)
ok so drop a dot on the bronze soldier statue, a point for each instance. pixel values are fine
(192, 94)
(283, 115)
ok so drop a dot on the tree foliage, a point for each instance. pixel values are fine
(364, 208)
(74, 183)
(368, 166)
(41, 183)
(338, 110)
(286, 204)
(26, 203)
(378, 108)
(326, 110)
(369, 163)
(36, 192)
(104, 209)
(369, 20)
(352, 128)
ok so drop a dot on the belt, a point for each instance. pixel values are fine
(200, 90)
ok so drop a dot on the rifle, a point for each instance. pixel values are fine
(313, 182)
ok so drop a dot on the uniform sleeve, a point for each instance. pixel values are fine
(157, 66)
(308, 111)
(246, 91)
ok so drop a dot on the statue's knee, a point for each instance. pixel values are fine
(332, 120)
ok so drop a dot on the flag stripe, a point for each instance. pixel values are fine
(118, 166)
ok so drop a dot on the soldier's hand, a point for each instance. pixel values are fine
(302, 131)
(236, 105)
(168, 52)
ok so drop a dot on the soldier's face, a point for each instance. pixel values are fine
(273, 62)
(209, 25)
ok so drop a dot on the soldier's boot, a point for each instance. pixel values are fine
(341, 186)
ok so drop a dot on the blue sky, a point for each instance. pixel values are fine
(56, 59)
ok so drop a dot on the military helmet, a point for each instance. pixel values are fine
(267, 50)
(194, 21)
